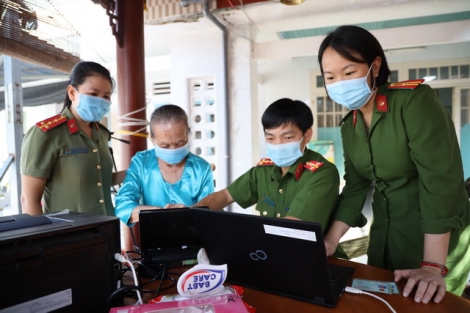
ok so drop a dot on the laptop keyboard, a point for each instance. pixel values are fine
(334, 280)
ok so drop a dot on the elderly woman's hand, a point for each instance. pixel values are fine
(174, 206)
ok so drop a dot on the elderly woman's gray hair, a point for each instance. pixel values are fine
(168, 113)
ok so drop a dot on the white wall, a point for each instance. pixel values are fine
(282, 78)
(199, 53)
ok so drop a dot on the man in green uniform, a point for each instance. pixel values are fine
(295, 182)
(78, 169)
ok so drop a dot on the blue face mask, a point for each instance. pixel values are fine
(172, 156)
(284, 154)
(352, 93)
(92, 109)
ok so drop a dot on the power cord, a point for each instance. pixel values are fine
(153, 271)
(125, 260)
(358, 291)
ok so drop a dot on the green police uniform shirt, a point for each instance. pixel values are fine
(308, 191)
(78, 168)
(412, 159)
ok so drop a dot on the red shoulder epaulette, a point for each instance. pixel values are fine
(51, 122)
(407, 84)
(264, 162)
(313, 165)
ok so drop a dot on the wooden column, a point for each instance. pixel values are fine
(131, 71)
(131, 80)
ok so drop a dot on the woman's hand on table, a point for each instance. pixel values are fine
(428, 280)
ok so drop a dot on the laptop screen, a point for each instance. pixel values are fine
(168, 236)
(276, 255)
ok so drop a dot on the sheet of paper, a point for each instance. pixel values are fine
(290, 232)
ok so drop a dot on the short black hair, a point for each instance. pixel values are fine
(358, 45)
(285, 111)
(168, 113)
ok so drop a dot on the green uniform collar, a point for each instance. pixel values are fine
(67, 113)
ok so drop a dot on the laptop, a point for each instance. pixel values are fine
(279, 256)
(168, 237)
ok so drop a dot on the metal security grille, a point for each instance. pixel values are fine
(165, 11)
(32, 29)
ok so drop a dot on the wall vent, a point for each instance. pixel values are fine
(162, 88)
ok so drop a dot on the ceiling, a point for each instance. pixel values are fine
(324, 13)
(273, 26)
(280, 31)
(401, 22)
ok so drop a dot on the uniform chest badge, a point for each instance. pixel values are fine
(79, 150)
(268, 201)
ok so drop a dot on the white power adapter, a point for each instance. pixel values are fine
(359, 291)
(124, 259)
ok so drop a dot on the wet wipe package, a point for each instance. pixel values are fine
(226, 303)
(200, 290)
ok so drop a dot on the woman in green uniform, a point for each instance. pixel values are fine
(399, 138)
(65, 159)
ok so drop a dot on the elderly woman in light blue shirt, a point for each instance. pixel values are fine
(166, 176)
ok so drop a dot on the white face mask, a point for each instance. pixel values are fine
(284, 154)
(351, 93)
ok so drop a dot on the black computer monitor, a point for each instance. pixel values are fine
(66, 265)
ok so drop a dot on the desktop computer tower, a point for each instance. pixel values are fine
(64, 266)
